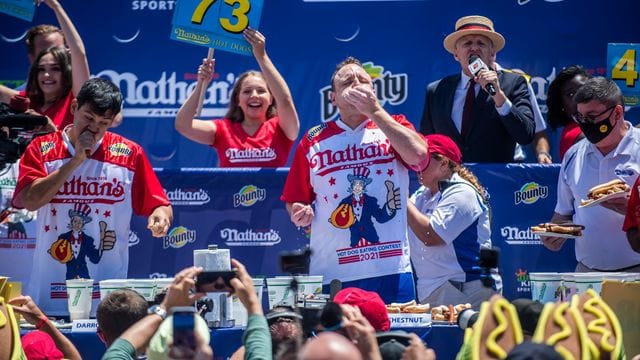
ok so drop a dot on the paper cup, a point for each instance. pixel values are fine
(144, 287)
(546, 287)
(279, 291)
(239, 311)
(309, 285)
(591, 280)
(111, 285)
(79, 298)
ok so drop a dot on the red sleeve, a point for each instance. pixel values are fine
(633, 209)
(298, 188)
(147, 193)
(31, 169)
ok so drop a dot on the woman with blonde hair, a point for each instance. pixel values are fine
(449, 218)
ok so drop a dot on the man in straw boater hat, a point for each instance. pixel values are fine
(480, 107)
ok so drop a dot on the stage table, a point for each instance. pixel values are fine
(444, 339)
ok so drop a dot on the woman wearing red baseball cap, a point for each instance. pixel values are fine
(450, 221)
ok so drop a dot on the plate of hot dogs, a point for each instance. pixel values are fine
(558, 230)
(610, 190)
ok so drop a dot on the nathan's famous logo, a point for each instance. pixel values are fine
(90, 190)
(530, 192)
(120, 149)
(249, 237)
(188, 196)
(249, 195)
(45, 147)
(522, 278)
(390, 88)
(327, 160)
(163, 97)
(178, 237)
(515, 236)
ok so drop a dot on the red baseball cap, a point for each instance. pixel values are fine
(38, 345)
(370, 304)
(443, 145)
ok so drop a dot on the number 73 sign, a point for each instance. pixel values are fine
(622, 68)
(216, 23)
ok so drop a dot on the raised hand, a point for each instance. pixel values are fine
(257, 41)
(363, 98)
(301, 214)
(205, 70)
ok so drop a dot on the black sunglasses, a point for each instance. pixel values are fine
(585, 119)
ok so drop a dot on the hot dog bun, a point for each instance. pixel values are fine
(570, 229)
(611, 187)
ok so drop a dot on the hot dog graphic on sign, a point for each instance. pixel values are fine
(357, 211)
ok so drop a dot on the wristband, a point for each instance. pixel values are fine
(42, 322)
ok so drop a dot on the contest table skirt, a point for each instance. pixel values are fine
(444, 339)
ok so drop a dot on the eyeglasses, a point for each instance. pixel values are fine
(584, 119)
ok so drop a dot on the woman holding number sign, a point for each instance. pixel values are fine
(254, 132)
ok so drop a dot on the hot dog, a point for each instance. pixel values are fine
(608, 188)
(569, 229)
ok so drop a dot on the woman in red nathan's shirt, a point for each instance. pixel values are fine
(561, 105)
(254, 132)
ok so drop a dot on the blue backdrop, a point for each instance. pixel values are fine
(128, 41)
(241, 210)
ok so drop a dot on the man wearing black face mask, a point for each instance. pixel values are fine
(610, 151)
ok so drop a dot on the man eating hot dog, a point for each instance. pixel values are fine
(610, 151)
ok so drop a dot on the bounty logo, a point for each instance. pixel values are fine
(178, 237)
(249, 195)
(529, 193)
(249, 237)
(188, 196)
(522, 278)
(390, 88)
(119, 149)
(514, 236)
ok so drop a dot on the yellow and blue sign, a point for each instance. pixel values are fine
(22, 9)
(622, 68)
(216, 23)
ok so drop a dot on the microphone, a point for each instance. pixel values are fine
(475, 65)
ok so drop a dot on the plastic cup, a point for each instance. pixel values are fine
(111, 285)
(144, 287)
(279, 291)
(590, 280)
(309, 285)
(238, 310)
(546, 287)
(79, 298)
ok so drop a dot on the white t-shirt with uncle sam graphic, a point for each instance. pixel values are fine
(76, 229)
(350, 174)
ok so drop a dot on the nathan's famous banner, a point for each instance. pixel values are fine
(131, 45)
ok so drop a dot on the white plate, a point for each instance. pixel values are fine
(607, 197)
(549, 233)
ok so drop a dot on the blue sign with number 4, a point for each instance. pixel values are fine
(622, 67)
(216, 23)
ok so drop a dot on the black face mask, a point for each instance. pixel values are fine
(595, 132)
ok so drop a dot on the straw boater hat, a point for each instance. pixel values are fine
(474, 25)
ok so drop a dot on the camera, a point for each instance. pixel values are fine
(215, 281)
(467, 317)
(183, 326)
(487, 263)
(16, 131)
(295, 262)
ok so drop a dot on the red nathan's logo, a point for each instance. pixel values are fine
(98, 190)
(331, 160)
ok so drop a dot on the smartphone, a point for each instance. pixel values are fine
(184, 322)
(215, 281)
